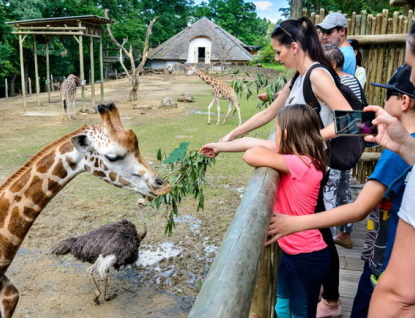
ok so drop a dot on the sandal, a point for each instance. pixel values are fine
(346, 243)
(327, 310)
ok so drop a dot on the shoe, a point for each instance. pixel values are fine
(346, 243)
(326, 310)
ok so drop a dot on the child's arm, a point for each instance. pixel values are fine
(356, 211)
(238, 145)
(265, 157)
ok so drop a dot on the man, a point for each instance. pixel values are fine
(334, 32)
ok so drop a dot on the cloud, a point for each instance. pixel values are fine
(263, 5)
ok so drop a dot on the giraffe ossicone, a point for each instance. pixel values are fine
(220, 90)
(107, 150)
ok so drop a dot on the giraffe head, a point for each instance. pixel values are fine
(191, 70)
(78, 81)
(111, 153)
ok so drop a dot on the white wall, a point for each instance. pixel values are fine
(196, 43)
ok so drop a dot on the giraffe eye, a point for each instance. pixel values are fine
(114, 158)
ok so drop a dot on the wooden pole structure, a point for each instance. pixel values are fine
(91, 57)
(7, 88)
(229, 286)
(47, 70)
(36, 70)
(21, 40)
(101, 70)
(81, 67)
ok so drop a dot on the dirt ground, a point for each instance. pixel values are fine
(171, 271)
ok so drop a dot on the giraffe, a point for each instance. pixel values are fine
(68, 94)
(107, 150)
(221, 90)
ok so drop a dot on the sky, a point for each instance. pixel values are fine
(268, 9)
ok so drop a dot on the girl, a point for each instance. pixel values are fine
(297, 46)
(302, 161)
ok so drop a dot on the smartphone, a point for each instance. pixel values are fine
(354, 123)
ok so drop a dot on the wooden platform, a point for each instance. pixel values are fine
(351, 266)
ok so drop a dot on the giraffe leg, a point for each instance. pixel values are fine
(218, 108)
(91, 275)
(238, 110)
(9, 298)
(65, 108)
(229, 111)
(73, 108)
(209, 107)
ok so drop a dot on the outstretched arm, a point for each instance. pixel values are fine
(282, 225)
(262, 118)
(238, 145)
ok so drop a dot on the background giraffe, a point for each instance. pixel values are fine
(68, 94)
(221, 90)
(108, 151)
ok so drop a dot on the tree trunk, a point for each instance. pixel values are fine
(12, 87)
(296, 9)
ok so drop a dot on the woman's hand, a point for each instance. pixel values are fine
(280, 225)
(209, 150)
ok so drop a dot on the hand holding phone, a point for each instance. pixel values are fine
(354, 123)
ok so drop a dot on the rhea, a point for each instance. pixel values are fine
(110, 246)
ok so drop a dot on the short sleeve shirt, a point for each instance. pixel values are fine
(349, 65)
(297, 195)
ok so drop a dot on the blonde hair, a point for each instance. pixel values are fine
(300, 129)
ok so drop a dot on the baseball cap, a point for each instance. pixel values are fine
(334, 19)
(400, 81)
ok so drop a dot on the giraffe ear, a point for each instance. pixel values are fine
(81, 143)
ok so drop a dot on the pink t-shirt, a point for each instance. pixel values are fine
(297, 195)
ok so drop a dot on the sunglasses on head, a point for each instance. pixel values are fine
(279, 26)
(390, 93)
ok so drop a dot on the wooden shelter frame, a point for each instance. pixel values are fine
(75, 26)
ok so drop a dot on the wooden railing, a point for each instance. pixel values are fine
(229, 287)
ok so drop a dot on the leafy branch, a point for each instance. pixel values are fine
(186, 175)
(272, 87)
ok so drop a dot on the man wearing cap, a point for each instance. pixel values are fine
(334, 32)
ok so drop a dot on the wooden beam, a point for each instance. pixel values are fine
(91, 57)
(229, 286)
(380, 38)
(49, 28)
(21, 40)
(101, 70)
(36, 70)
(81, 66)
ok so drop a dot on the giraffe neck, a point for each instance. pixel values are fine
(24, 195)
(208, 79)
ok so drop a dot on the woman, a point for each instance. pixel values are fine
(297, 46)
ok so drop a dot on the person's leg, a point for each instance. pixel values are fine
(282, 307)
(364, 292)
(309, 269)
(344, 196)
(331, 283)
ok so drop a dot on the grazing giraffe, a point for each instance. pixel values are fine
(108, 151)
(221, 90)
(68, 94)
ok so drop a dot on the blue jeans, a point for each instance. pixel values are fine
(364, 293)
(299, 280)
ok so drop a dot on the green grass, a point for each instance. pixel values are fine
(274, 66)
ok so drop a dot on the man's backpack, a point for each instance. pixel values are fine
(344, 151)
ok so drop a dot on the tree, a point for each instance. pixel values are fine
(135, 71)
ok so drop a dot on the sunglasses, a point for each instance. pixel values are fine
(328, 32)
(279, 26)
(390, 93)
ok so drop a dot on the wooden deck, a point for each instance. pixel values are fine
(351, 266)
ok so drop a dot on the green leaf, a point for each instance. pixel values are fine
(178, 153)
(159, 157)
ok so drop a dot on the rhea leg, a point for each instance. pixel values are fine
(90, 271)
(9, 297)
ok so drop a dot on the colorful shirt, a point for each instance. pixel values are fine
(297, 195)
